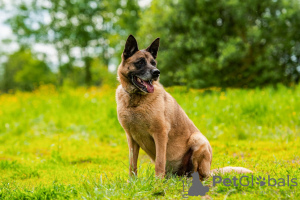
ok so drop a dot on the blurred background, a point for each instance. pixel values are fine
(204, 43)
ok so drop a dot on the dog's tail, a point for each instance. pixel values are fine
(239, 170)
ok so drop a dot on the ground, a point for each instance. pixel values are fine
(67, 144)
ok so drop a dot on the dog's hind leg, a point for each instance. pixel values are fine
(202, 154)
(202, 157)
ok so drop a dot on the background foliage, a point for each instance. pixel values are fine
(203, 43)
(226, 43)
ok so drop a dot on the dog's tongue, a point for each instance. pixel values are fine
(149, 87)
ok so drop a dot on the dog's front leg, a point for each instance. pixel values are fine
(134, 149)
(161, 153)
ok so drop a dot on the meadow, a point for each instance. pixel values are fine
(68, 144)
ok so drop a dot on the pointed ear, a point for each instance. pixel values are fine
(153, 48)
(131, 47)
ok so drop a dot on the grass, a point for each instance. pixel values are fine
(68, 144)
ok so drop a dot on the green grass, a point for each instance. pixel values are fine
(68, 144)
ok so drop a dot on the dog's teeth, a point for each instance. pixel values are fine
(139, 80)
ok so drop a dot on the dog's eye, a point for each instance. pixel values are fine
(153, 63)
(140, 63)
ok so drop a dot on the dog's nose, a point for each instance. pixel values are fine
(155, 72)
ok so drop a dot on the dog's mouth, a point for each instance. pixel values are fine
(143, 85)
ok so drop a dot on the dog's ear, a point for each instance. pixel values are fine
(131, 47)
(153, 48)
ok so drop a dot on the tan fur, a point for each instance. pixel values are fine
(157, 124)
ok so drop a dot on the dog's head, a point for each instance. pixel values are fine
(137, 71)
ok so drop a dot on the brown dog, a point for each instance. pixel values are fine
(154, 121)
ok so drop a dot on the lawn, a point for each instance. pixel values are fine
(68, 144)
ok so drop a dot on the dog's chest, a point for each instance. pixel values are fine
(136, 120)
(137, 124)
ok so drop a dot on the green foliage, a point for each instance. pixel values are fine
(99, 72)
(234, 43)
(24, 71)
(225, 43)
(94, 28)
(101, 75)
(73, 78)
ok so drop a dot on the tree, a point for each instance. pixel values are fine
(79, 30)
(23, 71)
(224, 43)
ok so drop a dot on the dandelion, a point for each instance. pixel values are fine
(294, 113)
(222, 97)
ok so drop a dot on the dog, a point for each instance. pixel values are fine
(154, 121)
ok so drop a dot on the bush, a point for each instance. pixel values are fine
(23, 71)
(225, 43)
